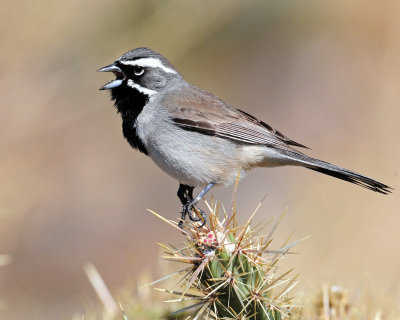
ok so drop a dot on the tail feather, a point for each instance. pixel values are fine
(355, 178)
(338, 172)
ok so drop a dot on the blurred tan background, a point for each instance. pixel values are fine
(327, 74)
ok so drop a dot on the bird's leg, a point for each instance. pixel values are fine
(185, 195)
(190, 206)
(190, 214)
(202, 193)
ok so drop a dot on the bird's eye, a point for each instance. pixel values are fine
(138, 71)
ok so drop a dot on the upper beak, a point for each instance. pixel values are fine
(110, 68)
(114, 83)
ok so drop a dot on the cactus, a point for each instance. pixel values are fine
(232, 272)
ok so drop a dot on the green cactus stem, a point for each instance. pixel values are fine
(232, 273)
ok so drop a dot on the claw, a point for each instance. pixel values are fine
(183, 218)
(198, 219)
(189, 210)
(192, 215)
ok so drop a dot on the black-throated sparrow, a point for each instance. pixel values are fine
(196, 137)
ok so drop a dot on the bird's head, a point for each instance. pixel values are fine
(140, 74)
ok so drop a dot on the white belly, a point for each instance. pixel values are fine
(197, 160)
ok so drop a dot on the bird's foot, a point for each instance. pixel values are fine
(194, 213)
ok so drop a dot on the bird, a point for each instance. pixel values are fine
(196, 137)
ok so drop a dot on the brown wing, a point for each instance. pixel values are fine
(197, 110)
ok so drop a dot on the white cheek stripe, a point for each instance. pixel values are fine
(148, 62)
(140, 88)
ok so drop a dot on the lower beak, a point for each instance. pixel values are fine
(111, 85)
(114, 83)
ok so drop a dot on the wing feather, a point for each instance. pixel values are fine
(194, 109)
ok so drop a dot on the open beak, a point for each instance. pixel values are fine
(118, 73)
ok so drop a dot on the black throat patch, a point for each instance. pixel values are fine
(130, 103)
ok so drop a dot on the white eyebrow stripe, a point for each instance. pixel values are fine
(141, 89)
(148, 62)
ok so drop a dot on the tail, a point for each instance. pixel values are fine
(337, 172)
